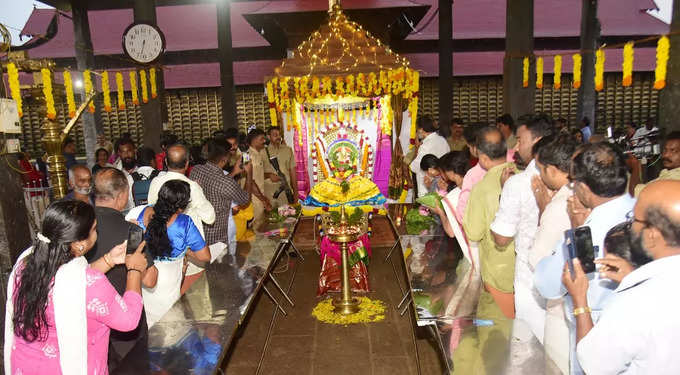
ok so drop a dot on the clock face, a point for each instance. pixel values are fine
(144, 43)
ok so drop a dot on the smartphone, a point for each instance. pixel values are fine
(135, 237)
(579, 242)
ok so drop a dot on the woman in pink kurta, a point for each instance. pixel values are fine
(37, 350)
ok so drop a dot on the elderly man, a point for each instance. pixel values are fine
(600, 201)
(80, 183)
(670, 158)
(432, 143)
(639, 328)
(111, 197)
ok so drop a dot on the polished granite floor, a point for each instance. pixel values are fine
(301, 345)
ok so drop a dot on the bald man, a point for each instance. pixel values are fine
(80, 183)
(199, 208)
(639, 328)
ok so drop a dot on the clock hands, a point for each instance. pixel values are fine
(143, 44)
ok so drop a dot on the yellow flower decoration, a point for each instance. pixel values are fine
(70, 98)
(369, 311)
(133, 87)
(14, 87)
(121, 91)
(272, 105)
(539, 72)
(599, 69)
(557, 72)
(145, 88)
(89, 88)
(47, 91)
(152, 81)
(662, 48)
(106, 91)
(525, 72)
(627, 64)
(577, 70)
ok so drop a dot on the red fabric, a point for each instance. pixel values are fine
(330, 279)
(159, 160)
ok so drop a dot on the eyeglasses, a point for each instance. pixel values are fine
(632, 219)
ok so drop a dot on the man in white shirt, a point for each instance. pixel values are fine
(432, 143)
(127, 164)
(600, 201)
(639, 329)
(551, 190)
(199, 209)
(517, 218)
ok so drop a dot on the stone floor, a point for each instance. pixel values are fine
(301, 345)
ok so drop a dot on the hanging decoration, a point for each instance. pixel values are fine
(145, 88)
(120, 89)
(599, 69)
(47, 91)
(89, 88)
(70, 98)
(525, 72)
(133, 87)
(539, 72)
(152, 81)
(106, 91)
(627, 67)
(661, 62)
(557, 72)
(14, 88)
(576, 58)
(272, 105)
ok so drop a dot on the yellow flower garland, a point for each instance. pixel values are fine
(133, 87)
(662, 48)
(369, 311)
(599, 69)
(270, 99)
(106, 91)
(557, 72)
(70, 98)
(14, 87)
(152, 81)
(121, 91)
(89, 88)
(577, 70)
(525, 72)
(627, 64)
(145, 89)
(539, 72)
(47, 91)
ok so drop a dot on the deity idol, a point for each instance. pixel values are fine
(344, 186)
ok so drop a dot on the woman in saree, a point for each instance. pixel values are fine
(170, 236)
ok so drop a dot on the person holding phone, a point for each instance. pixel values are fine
(111, 194)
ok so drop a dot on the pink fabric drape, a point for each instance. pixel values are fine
(301, 153)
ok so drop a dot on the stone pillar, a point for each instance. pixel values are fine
(445, 65)
(669, 97)
(229, 118)
(519, 43)
(590, 34)
(152, 111)
(91, 122)
(15, 233)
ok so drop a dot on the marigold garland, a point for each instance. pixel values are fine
(369, 311)
(89, 88)
(120, 90)
(525, 72)
(662, 48)
(539, 72)
(70, 98)
(152, 82)
(576, 58)
(14, 88)
(133, 87)
(599, 69)
(145, 89)
(628, 64)
(106, 91)
(47, 91)
(557, 72)
(272, 106)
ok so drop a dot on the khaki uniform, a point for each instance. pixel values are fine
(284, 155)
(456, 144)
(258, 159)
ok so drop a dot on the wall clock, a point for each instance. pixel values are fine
(144, 43)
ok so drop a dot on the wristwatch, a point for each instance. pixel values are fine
(582, 310)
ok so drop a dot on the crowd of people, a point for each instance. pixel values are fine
(189, 203)
(515, 211)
